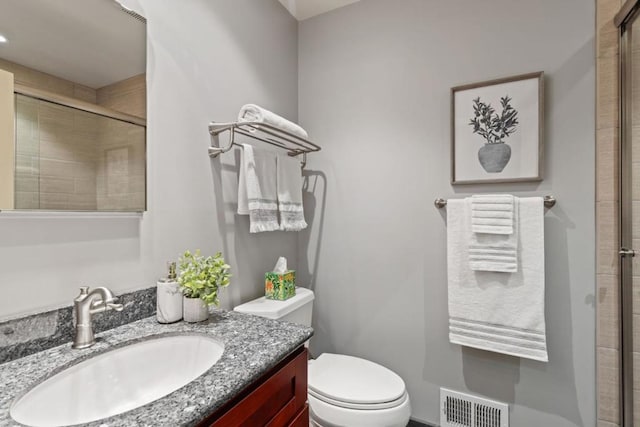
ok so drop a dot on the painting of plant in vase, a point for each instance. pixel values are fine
(497, 129)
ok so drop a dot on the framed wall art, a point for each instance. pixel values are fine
(497, 130)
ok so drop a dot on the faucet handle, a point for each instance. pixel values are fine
(111, 304)
(116, 307)
(84, 291)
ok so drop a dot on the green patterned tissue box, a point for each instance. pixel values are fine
(280, 286)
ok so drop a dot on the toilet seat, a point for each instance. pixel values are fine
(360, 406)
(353, 383)
(353, 392)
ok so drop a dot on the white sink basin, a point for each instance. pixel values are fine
(117, 381)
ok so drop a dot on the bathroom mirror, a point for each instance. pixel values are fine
(72, 106)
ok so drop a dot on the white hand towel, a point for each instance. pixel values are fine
(494, 311)
(255, 113)
(290, 194)
(494, 252)
(492, 213)
(257, 195)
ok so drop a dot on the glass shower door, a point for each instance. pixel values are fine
(630, 217)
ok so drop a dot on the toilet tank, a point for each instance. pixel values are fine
(297, 309)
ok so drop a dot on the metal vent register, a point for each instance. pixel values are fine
(465, 410)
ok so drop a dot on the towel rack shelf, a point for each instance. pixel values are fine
(293, 144)
(549, 202)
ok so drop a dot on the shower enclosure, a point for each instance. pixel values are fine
(629, 30)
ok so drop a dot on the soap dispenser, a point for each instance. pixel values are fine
(169, 297)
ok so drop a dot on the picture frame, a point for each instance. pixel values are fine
(497, 130)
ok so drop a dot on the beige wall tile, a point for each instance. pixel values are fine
(607, 237)
(51, 184)
(636, 332)
(59, 168)
(85, 185)
(636, 372)
(607, 92)
(83, 170)
(57, 149)
(84, 93)
(27, 200)
(607, 164)
(635, 219)
(636, 259)
(636, 409)
(27, 165)
(56, 201)
(137, 184)
(608, 325)
(128, 96)
(602, 423)
(608, 385)
(635, 153)
(606, 34)
(27, 183)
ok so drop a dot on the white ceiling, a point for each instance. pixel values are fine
(303, 9)
(91, 42)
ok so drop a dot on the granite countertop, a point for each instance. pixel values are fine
(253, 345)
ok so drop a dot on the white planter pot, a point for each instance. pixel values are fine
(195, 310)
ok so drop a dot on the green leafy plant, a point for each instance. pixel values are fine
(201, 277)
(494, 127)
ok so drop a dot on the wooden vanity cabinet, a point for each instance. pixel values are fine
(277, 399)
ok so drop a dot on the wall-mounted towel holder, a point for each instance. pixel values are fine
(549, 202)
(293, 144)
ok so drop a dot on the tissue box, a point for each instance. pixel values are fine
(280, 286)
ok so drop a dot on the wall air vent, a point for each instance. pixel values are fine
(465, 410)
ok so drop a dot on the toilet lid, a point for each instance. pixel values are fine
(351, 380)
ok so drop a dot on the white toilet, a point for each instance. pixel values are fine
(344, 391)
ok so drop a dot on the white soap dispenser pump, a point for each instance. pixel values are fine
(169, 297)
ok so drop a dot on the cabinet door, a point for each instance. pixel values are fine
(302, 420)
(276, 400)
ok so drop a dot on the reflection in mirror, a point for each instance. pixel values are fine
(78, 102)
(69, 159)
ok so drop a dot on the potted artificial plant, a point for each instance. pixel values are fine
(494, 128)
(200, 279)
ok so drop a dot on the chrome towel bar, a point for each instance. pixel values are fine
(260, 131)
(549, 202)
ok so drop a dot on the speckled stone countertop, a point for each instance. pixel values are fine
(253, 345)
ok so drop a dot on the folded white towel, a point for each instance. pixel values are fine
(257, 195)
(290, 194)
(494, 311)
(255, 113)
(492, 213)
(494, 252)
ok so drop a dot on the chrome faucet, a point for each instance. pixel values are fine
(86, 304)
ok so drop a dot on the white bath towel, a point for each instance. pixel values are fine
(255, 113)
(492, 311)
(492, 213)
(257, 195)
(290, 194)
(494, 252)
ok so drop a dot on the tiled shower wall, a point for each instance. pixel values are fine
(607, 214)
(67, 159)
(56, 156)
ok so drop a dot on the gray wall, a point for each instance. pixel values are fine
(205, 59)
(374, 83)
